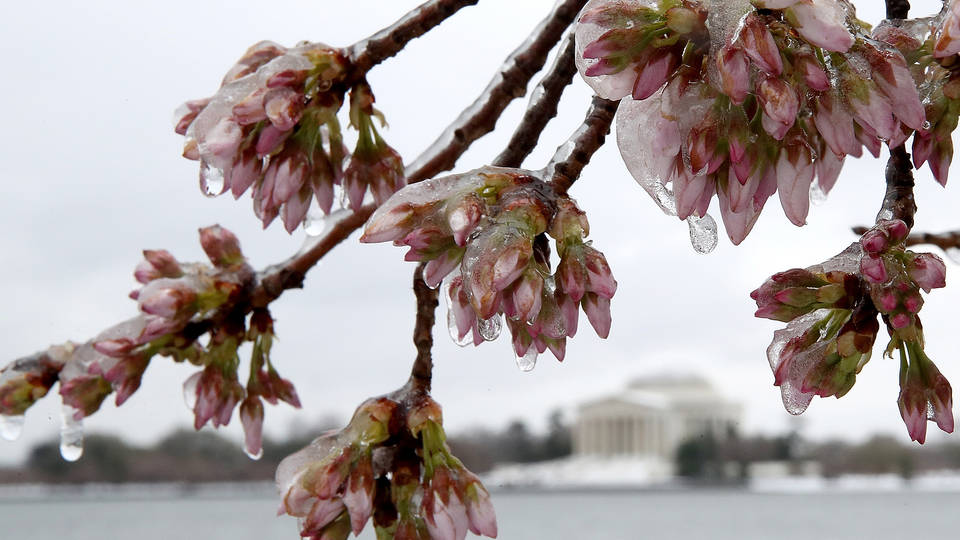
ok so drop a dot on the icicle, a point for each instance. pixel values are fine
(71, 434)
(490, 328)
(528, 361)
(211, 180)
(703, 233)
(11, 426)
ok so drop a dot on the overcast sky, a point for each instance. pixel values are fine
(92, 174)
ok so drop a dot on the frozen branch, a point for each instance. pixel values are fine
(575, 154)
(542, 107)
(427, 301)
(510, 83)
(898, 202)
(388, 42)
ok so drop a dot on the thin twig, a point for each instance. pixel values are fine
(392, 39)
(510, 83)
(542, 107)
(572, 156)
(427, 301)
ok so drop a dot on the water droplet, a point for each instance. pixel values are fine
(490, 328)
(190, 390)
(925, 125)
(211, 180)
(455, 333)
(528, 361)
(11, 426)
(954, 254)
(255, 457)
(817, 195)
(703, 233)
(71, 434)
(318, 224)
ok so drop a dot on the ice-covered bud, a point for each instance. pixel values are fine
(270, 140)
(569, 222)
(247, 168)
(874, 241)
(464, 217)
(896, 229)
(893, 77)
(779, 102)
(251, 417)
(125, 375)
(599, 277)
(221, 246)
(822, 23)
(835, 125)
(358, 494)
(702, 146)
(795, 172)
(925, 394)
(655, 74)
(157, 263)
(85, 393)
(168, 298)
(947, 34)
(871, 109)
(928, 271)
(222, 142)
(813, 74)
(757, 42)
(873, 269)
(256, 56)
(425, 411)
(187, 113)
(790, 294)
(283, 107)
(24, 381)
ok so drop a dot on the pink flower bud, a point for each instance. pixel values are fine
(247, 168)
(822, 23)
(249, 110)
(221, 246)
(795, 172)
(251, 417)
(171, 300)
(779, 101)
(734, 69)
(187, 113)
(874, 241)
(597, 309)
(599, 277)
(655, 74)
(928, 271)
(835, 125)
(873, 269)
(283, 107)
(270, 139)
(465, 217)
(758, 43)
(948, 33)
(900, 321)
(813, 74)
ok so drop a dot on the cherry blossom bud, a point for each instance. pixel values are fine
(924, 394)
(894, 79)
(251, 417)
(597, 309)
(795, 172)
(813, 74)
(948, 32)
(874, 241)
(26, 380)
(734, 69)
(465, 217)
(928, 271)
(822, 23)
(835, 125)
(187, 113)
(270, 139)
(778, 100)
(655, 74)
(249, 110)
(167, 298)
(221, 246)
(247, 168)
(283, 107)
(157, 263)
(873, 269)
(758, 43)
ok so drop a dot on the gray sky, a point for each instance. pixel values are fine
(92, 175)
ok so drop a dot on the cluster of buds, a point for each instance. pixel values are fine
(390, 463)
(792, 89)
(832, 326)
(273, 126)
(930, 47)
(832, 311)
(26, 380)
(895, 276)
(487, 230)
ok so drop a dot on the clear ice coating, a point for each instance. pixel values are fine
(817, 195)
(11, 426)
(71, 434)
(703, 233)
(455, 332)
(954, 254)
(211, 180)
(190, 390)
(490, 328)
(251, 455)
(528, 361)
(647, 157)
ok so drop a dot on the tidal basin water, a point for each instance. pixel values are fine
(716, 514)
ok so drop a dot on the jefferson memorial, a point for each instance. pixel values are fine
(652, 417)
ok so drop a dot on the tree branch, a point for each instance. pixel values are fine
(510, 83)
(389, 41)
(898, 201)
(542, 107)
(572, 156)
(427, 301)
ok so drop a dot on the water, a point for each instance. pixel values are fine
(713, 514)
